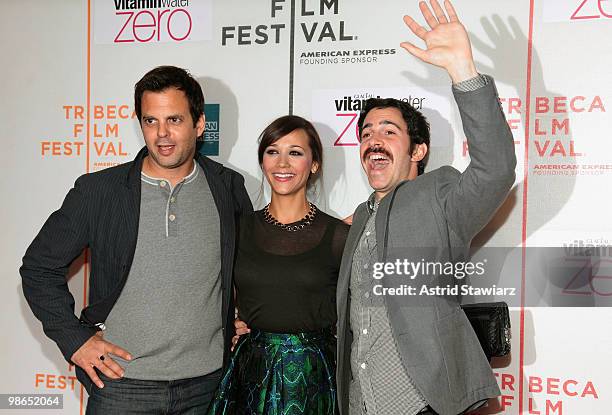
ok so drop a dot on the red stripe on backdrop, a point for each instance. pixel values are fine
(87, 168)
(525, 194)
(88, 82)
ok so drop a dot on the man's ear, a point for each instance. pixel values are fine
(419, 152)
(200, 125)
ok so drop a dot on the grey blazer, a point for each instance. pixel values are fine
(440, 211)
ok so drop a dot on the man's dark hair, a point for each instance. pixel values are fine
(418, 127)
(164, 77)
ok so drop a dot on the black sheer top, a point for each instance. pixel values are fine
(286, 281)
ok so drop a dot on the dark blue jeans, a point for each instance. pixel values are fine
(132, 396)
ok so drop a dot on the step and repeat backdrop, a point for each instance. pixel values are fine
(68, 71)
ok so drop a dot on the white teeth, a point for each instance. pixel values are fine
(283, 175)
(374, 157)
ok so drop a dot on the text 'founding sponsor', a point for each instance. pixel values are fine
(344, 56)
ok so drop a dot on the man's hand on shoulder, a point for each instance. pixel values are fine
(447, 43)
(95, 353)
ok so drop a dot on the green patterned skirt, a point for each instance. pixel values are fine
(279, 374)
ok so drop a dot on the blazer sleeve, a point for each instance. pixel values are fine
(45, 267)
(470, 199)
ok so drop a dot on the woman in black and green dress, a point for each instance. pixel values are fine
(285, 277)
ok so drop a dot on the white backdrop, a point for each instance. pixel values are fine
(69, 67)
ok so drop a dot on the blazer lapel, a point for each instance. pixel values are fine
(219, 192)
(131, 206)
(382, 220)
(225, 208)
(360, 218)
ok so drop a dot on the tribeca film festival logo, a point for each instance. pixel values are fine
(55, 381)
(546, 395)
(423, 270)
(106, 140)
(552, 136)
(577, 10)
(553, 143)
(317, 31)
(151, 21)
(319, 22)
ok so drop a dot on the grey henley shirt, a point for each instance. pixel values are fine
(168, 315)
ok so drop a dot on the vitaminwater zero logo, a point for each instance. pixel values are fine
(589, 262)
(339, 109)
(147, 21)
(348, 109)
(210, 139)
(577, 10)
(599, 12)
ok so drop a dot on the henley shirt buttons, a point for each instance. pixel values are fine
(171, 217)
(162, 183)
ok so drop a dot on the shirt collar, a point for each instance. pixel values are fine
(372, 203)
(155, 180)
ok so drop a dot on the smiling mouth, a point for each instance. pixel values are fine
(377, 161)
(283, 177)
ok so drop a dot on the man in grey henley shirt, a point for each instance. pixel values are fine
(161, 233)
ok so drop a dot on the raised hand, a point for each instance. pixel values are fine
(95, 352)
(447, 43)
